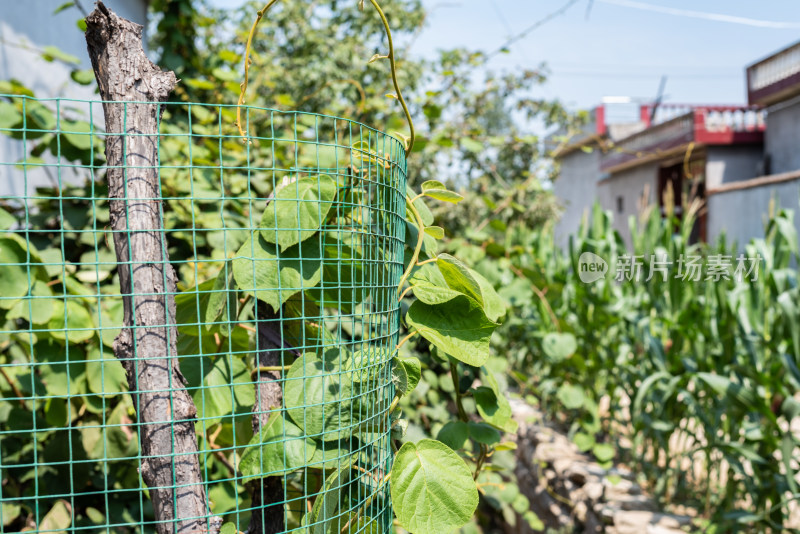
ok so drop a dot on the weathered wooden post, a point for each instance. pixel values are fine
(132, 88)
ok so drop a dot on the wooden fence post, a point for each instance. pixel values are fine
(132, 88)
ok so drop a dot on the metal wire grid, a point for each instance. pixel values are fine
(69, 451)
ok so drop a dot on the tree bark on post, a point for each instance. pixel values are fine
(266, 494)
(147, 344)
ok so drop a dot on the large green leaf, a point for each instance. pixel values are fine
(280, 446)
(226, 387)
(434, 294)
(117, 439)
(348, 277)
(104, 373)
(454, 434)
(432, 488)
(437, 190)
(330, 454)
(492, 303)
(298, 210)
(9, 116)
(222, 302)
(406, 373)
(61, 372)
(273, 277)
(459, 278)
(14, 266)
(483, 433)
(38, 307)
(494, 409)
(190, 307)
(71, 321)
(572, 397)
(458, 327)
(318, 393)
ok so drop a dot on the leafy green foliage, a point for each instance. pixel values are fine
(432, 488)
(319, 394)
(297, 210)
(66, 269)
(327, 504)
(406, 374)
(666, 357)
(280, 446)
(274, 277)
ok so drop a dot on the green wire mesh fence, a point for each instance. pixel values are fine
(287, 251)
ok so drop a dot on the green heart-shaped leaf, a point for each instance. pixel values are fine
(280, 446)
(222, 302)
(458, 327)
(104, 373)
(273, 277)
(318, 393)
(454, 434)
(406, 373)
(225, 388)
(459, 278)
(71, 321)
(298, 210)
(432, 488)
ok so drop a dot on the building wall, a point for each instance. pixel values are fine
(630, 187)
(31, 24)
(740, 214)
(726, 164)
(576, 189)
(783, 136)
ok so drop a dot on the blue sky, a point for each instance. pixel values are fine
(620, 49)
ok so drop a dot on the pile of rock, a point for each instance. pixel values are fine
(571, 493)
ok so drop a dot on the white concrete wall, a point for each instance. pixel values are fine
(632, 185)
(726, 164)
(31, 23)
(741, 214)
(782, 138)
(576, 189)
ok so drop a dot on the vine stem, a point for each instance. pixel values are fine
(390, 56)
(270, 368)
(393, 66)
(409, 336)
(405, 292)
(393, 405)
(481, 459)
(14, 388)
(243, 85)
(418, 248)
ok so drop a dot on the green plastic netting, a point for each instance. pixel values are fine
(287, 251)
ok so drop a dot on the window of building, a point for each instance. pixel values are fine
(620, 204)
